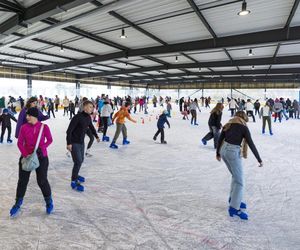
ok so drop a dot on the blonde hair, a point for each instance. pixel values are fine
(218, 108)
(242, 115)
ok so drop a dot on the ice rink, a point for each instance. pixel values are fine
(152, 196)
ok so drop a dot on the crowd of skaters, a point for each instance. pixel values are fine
(106, 111)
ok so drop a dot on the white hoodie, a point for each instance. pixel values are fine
(106, 110)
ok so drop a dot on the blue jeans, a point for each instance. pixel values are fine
(78, 157)
(231, 155)
(214, 132)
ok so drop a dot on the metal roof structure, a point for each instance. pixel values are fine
(167, 42)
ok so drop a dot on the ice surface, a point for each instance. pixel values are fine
(152, 196)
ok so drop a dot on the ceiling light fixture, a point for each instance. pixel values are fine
(252, 67)
(62, 48)
(250, 53)
(244, 10)
(123, 35)
(200, 69)
(176, 59)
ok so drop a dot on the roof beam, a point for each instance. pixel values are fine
(262, 37)
(224, 73)
(11, 6)
(292, 13)
(243, 62)
(36, 12)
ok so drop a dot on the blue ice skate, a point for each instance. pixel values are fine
(204, 142)
(113, 145)
(232, 211)
(49, 205)
(15, 210)
(125, 142)
(77, 186)
(81, 179)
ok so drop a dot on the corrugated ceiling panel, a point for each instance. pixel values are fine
(100, 23)
(66, 53)
(268, 14)
(135, 39)
(180, 59)
(57, 36)
(48, 58)
(29, 61)
(5, 15)
(284, 66)
(197, 70)
(74, 12)
(137, 11)
(178, 29)
(104, 68)
(146, 63)
(296, 18)
(225, 69)
(292, 49)
(91, 46)
(258, 53)
(255, 67)
(30, 44)
(28, 3)
(172, 71)
(33, 28)
(214, 56)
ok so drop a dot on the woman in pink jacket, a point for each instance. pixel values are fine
(26, 143)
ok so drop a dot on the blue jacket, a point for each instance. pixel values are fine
(162, 120)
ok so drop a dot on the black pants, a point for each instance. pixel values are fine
(56, 107)
(162, 134)
(41, 176)
(232, 112)
(43, 108)
(66, 110)
(78, 157)
(105, 125)
(52, 111)
(72, 112)
(91, 136)
(250, 112)
(3, 132)
(194, 116)
(256, 111)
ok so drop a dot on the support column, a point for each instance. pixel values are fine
(77, 82)
(147, 91)
(265, 94)
(29, 86)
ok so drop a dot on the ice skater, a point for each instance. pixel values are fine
(5, 121)
(106, 112)
(27, 140)
(75, 141)
(120, 122)
(235, 133)
(160, 125)
(214, 124)
(266, 113)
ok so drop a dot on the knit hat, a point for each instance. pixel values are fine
(5, 110)
(33, 112)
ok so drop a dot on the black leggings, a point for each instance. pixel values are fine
(41, 176)
(194, 116)
(3, 132)
(51, 111)
(162, 134)
(91, 136)
(105, 125)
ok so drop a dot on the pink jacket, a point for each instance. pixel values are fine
(28, 137)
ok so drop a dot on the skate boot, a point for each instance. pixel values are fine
(14, 211)
(49, 205)
(9, 141)
(204, 142)
(125, 142)
(88, 154)
(154, 138)
(81, 179)
(77, 186)
(113, 145)
(163, 142)
(232, 211)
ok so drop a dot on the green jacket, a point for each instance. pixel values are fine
(2, 102)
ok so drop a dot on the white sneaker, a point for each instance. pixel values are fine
(68, 154)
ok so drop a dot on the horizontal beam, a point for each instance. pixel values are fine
(243, 62)
(218, 73)
(255, 38)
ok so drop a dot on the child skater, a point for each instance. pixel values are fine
(160, 125)
(6, 124)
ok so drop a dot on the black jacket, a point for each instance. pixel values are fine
(215, 120)
(78, 126)
(5, 120)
